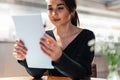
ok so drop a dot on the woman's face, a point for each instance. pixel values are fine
(58, 12)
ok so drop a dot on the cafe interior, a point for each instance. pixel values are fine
(100, 16)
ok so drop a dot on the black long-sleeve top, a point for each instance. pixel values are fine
(75, 61)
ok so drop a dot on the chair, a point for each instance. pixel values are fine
(94, 70)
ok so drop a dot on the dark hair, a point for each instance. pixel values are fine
(72, 5)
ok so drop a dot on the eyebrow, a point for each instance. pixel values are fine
(60, 4)
(57, 4)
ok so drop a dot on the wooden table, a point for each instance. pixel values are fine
(44, 78)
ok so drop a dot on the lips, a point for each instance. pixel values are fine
(56, 20)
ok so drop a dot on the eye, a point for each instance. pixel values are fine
(60, 8)
(50, 9)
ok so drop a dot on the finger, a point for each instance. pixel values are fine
(46, 44)
(20, 52)
(18, 40)
(18, 47)
(49, 38)
(46, 50)
(21, 57)
(20, 43)
(18, 56)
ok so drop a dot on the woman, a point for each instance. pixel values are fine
(66, 44)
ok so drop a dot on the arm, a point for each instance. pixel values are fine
(69, 67)
(35, 72)
(80, 66)
(19, 52)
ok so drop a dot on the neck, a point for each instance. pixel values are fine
(62, 30)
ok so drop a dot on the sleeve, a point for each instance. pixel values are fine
(76, 69)
(69, 67)
(34, 72)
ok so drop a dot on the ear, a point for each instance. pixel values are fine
(72, 14)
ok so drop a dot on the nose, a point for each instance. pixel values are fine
(54, 12)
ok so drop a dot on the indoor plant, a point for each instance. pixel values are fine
(110, 50)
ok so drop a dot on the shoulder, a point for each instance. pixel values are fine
(88, 33)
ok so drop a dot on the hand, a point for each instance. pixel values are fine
(19, 50)
(50, 47)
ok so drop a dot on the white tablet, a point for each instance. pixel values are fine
(29, 29)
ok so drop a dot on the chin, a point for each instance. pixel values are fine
(56, 24)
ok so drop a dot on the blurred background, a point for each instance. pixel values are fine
(100, 16)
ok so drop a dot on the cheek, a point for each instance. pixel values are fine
(66, 17)
(49, 16)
